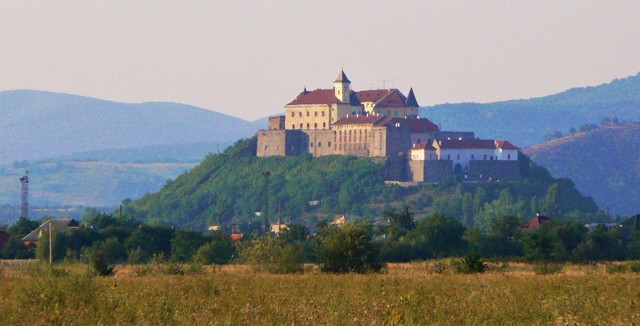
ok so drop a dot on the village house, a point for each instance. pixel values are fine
(59, 224)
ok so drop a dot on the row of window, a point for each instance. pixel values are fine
(319, 144)
(315, 114)
(315, 125)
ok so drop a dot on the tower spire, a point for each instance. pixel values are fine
(411, 99)
(341, 87)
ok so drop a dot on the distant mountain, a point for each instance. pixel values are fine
(177, 153)
(604, 163)
(37, 124)
(526, 122)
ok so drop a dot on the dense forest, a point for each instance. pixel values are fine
(229, 188)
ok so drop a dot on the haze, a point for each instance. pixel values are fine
(249, 58)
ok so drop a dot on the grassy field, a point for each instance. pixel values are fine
(234, 295)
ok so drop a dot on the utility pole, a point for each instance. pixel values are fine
(266, 174)
(50, 243)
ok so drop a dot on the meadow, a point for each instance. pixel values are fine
(426, 293)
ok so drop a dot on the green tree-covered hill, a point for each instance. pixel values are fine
(603, 162)
(229, 188)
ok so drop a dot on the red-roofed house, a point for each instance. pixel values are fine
(534, 222)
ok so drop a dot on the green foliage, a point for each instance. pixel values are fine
(472, 263)
(219, 251)
(228, 188)
(99, 263)
(348, 248)
(184, 244)
(402, 219)
(272, 255)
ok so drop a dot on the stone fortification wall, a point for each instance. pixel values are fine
(276, 122)
(320, 142)
(497, 169)
(430, 170)
(281, 143)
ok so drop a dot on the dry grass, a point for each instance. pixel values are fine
(405, 294)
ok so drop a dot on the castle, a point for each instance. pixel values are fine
(383, 125)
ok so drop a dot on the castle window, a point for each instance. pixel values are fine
(310, 144)
(458, 157)
(319, 144)
(329, 144)
(300, 113)
(307, 123)
(300, 126)
(448, 157)
(265, 147)
(293, 126)
(323, 113)
(308, 114)
(395, 113)
(485, 156)
(509, 156)
(324, 125)
(491, 158)
(315, 125)
(473, 157)
(315, 113)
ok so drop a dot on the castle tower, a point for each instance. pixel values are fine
(341, 87)
(411, 99)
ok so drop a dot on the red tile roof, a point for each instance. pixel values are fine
(359, 119)
(535, 222)
(475, 143)
(318, 96)
(236, 236)
(372, 95)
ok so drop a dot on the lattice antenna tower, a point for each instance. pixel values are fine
(24, 192)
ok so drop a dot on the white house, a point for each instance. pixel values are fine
(462, 152)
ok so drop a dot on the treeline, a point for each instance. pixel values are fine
(229, 188)
(356, 246)
(587, 127)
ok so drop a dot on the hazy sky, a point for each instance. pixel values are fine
(249, 58)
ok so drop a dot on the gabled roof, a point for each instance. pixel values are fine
(57, 225)
(475, 144)
(423, 146)
(342, 78)
(383, 97)
(535, 222)
(411, 99)
(318, 96)
(416, 125)
(359, 119)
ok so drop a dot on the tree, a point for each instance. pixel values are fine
(436, 236)
(402, 219)
(184, 244)
(346, 249)
(219, 250)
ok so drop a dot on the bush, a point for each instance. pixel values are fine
(632, 266)
(347, 249)
(99, 263)
(471, 263)
(272, 255)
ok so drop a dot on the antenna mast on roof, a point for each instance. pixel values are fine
(24, 191)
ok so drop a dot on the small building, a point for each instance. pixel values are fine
(534, 222)
(236, 236)
(59, 224)
(278, 227)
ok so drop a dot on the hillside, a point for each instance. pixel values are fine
(603, 163)
(526, 122)
(37, 125)
(229, 188)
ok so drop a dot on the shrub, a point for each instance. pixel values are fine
(99, 263)
(347, 249)
(470, 264)
(272, 255)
